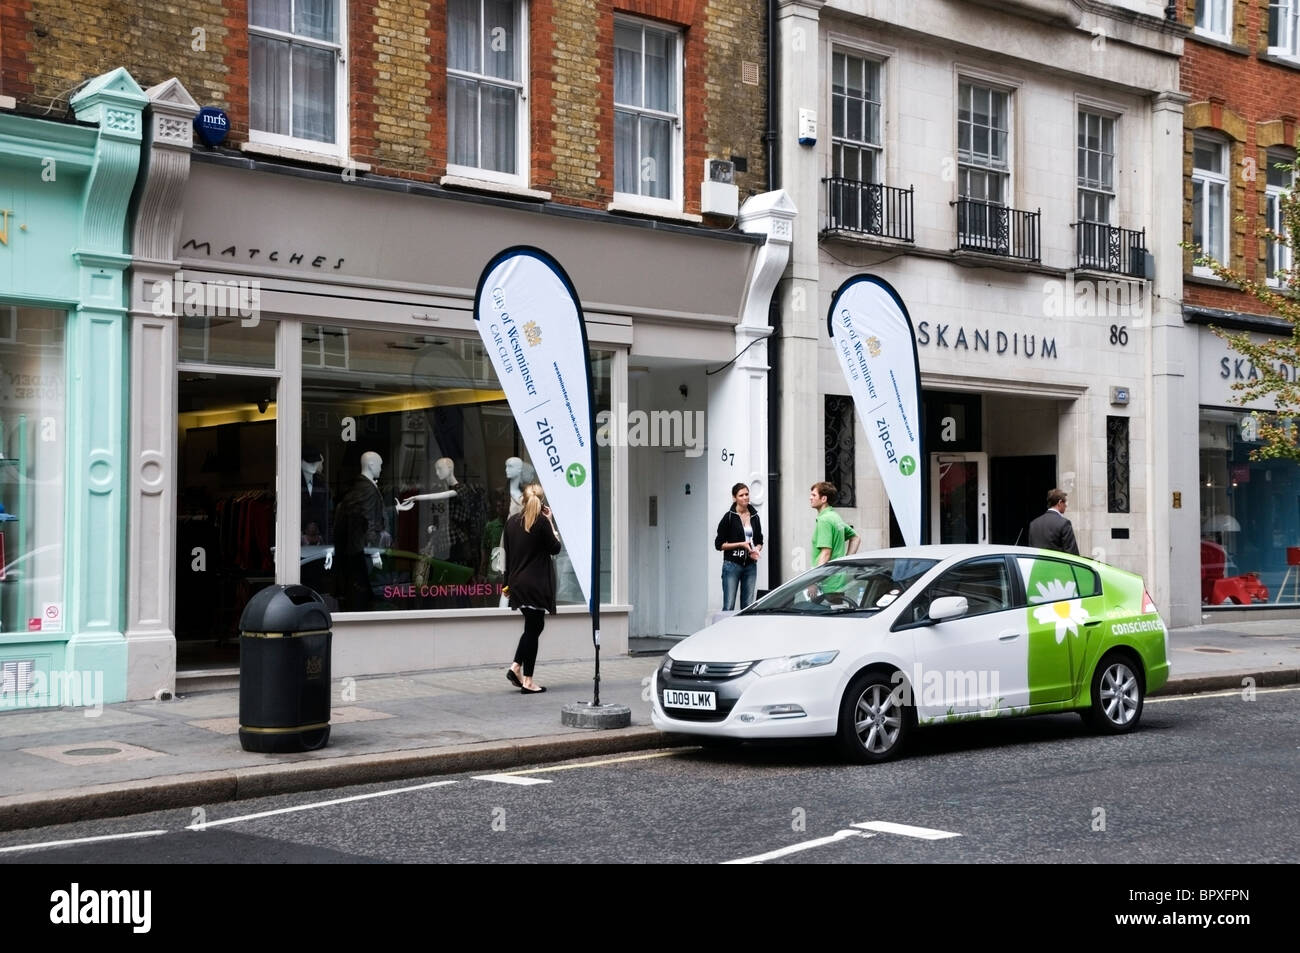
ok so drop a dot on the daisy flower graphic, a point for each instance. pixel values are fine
(1067, 615)
(1054, 591)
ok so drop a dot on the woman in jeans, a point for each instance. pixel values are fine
(740, 537)
(531, 544)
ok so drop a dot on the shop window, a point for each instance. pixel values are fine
(1210, 201)
(1117, 465)
(425, 417)
(32, 454)
(1250, 515)
(1278, 184)
(647, 113)
(297, 84)
(841, 450)
(228, 341)
(487, 121)
(1284, 28)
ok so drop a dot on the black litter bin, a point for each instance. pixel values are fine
(284, 671)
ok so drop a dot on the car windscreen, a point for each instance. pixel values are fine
(862, 587)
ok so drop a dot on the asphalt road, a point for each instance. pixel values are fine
(1211, 779)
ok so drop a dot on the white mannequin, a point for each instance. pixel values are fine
(309, 471)
(445, 471)
(372, 464)
(514, 468)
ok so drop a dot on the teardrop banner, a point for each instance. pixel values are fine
(871, 332)
(531, 323)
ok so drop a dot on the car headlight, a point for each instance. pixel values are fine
(667, 667)
(794, 663)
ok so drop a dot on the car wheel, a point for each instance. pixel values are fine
(1117, 695)
(874, 721)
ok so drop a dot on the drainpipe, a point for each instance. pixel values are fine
(773, 546)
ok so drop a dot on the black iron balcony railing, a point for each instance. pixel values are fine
(998, 230)
(1107, 248)
(869, 208)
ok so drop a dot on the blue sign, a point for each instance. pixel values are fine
(212, 125)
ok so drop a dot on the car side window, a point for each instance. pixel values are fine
(985, 583)
(1089, 582)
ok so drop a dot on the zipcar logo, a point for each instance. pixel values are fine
(907, 466)
(882, 432)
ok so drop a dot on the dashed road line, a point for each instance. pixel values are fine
(796, 848)
(79, 840)
(906, 830)
(204, 825)
(510, 779)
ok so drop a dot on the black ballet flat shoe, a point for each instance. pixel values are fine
(532, 691)
(514, 679)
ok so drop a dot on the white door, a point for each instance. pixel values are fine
(688, 543)
(959, 498)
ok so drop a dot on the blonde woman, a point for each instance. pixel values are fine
(531, 544)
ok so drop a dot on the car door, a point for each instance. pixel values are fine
(977, 662)
(1064, 605)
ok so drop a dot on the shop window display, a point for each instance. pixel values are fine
(414, 462)
(1250, 516)
(32, 451)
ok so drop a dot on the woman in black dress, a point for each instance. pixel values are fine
(531, 544)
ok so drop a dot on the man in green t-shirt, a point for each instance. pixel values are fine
(831, 534)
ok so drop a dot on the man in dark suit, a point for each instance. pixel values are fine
(1052, 530)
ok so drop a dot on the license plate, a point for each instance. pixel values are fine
(699, 700)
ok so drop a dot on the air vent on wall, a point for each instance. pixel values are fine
(16, 676)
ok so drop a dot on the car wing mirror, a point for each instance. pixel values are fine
(948, 607)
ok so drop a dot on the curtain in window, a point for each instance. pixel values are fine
(656, 161)
(500, 53)
(316, 19)
(463, 42)
(499, 125)
(313, 93)
(268, 85)
(272, 14)
(462, 114)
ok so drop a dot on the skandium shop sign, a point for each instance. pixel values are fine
(956, 337)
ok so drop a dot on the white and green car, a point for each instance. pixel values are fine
(870, 647)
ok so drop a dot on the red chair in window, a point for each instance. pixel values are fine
(1218, 589)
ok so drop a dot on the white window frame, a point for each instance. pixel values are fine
(876, 147)
(339, 147)
(523, 150)
(675, 202)
(1208, 179)
(1279, 256)
(1207, 11)
(984, 165)
(1287, 13)
(1098, 187)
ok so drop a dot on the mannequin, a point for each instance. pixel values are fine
(315, 498)
(518, 475)
(358, 527)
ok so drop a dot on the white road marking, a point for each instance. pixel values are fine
(307, 807)
(1228, 694)
(79, 840)
(510, 779)
(795, 848)
(889, 827)
(594, 764)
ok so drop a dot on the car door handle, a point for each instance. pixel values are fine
(1008, 635)
(1089, 625)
